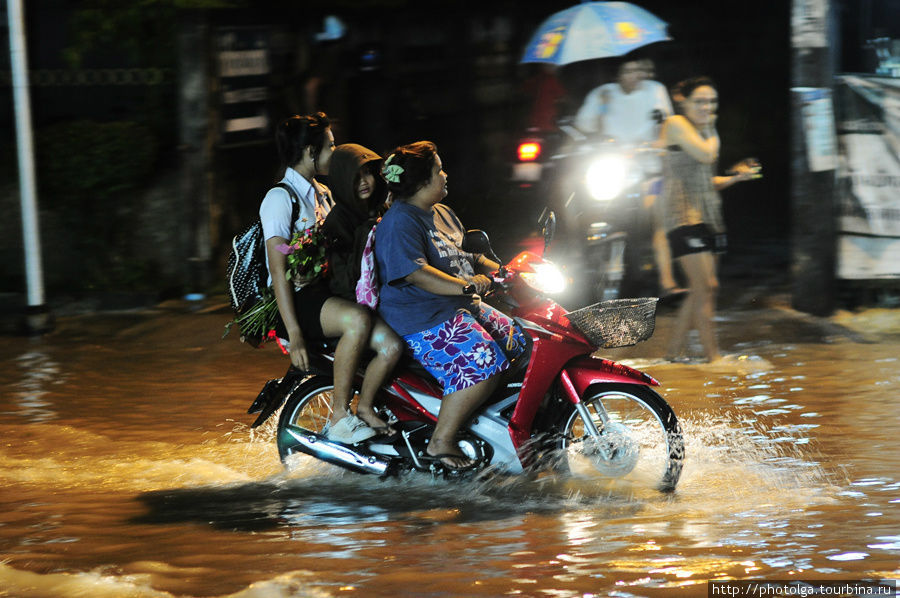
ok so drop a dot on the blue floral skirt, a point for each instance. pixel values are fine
(468, 348)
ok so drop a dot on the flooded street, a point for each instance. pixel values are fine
(127, 468)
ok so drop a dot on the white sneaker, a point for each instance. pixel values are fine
(349, 430)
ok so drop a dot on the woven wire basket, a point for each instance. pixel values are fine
(617, 322)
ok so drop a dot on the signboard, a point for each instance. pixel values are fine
(244, 68)
(818, 128)
(809, 20)
(868, 178)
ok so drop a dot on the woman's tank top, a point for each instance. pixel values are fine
(688, 195)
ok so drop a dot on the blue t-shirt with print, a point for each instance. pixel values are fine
(405, 240)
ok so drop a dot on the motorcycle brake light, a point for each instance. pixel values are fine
(529, 151)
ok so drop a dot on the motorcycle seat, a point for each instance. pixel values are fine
(411, 365)
(328, 345)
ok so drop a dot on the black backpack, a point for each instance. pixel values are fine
(246, 272)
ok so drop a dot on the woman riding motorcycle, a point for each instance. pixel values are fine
(426, 297)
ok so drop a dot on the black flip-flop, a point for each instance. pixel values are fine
(439, 459)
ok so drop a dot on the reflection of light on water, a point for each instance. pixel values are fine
(848, 556)
(99, 583)
(40, 371)
(887, 543)
(579, 530)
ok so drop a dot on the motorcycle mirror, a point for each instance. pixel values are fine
(547, 222)
(477, 241)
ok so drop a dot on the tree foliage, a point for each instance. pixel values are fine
(139, 31)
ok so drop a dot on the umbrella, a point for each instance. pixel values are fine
(594, 30)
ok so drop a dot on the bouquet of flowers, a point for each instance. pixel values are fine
(306, 261)
(306, 257)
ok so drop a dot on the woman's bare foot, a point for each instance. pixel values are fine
(371, 418)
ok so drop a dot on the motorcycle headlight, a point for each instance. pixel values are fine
(606, 177)
(546, 278)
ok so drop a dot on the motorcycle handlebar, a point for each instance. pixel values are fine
(497, 283)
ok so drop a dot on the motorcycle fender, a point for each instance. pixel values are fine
(545, 366)
(273, 396)
(582, 372)
(264, 396)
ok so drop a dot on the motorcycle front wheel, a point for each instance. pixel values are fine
(638, 436)
(309, 407)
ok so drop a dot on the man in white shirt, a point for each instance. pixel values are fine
(625, 110)
(631, 111)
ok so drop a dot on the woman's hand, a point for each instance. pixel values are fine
(299, 281)
(679, 131)
(709, 129)
(743, 176)
(482, 283)
(486, 264)
(284, 296)
(297, 351)
(745, 170)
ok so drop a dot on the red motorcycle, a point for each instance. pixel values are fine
(559, 407)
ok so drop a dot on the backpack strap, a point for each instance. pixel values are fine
(295, 203)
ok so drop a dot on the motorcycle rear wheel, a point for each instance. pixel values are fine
(640, 437)
(309, 406)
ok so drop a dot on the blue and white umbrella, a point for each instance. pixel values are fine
(594, 30)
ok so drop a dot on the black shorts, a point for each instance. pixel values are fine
(308, 303)
(696, 238)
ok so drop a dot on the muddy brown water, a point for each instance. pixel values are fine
(127, 469)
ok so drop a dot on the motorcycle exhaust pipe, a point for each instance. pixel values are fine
(316, 445)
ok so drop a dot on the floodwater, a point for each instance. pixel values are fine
(127, 469)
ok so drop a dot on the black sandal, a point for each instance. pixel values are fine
(439, 459)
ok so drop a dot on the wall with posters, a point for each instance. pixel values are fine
(868, 123)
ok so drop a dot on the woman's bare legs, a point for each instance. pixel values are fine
(663, 257)
(388, 349)
(353, 324)
(698, 309)
(662, 253)
(705, 318)
(456, 408)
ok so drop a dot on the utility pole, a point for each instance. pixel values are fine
(37, 315)
(194, 147)
(813, 158)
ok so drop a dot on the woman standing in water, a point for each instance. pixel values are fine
(692, 208)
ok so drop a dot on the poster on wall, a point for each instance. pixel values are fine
(244, 66)
(818, 128)
(868, 187)
(809, 20)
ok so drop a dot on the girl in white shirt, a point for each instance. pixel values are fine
(310, 312)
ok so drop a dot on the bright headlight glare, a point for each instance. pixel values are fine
(546, 278)
(606, 177)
